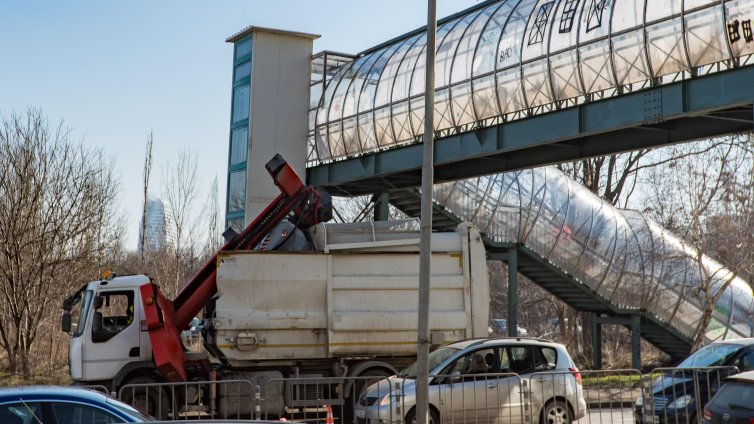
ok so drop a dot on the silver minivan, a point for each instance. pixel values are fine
(492, 380)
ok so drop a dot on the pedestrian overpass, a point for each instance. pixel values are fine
(524, 83)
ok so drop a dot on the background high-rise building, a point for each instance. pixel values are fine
(159, 228)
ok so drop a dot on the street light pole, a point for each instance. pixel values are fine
(425, 250)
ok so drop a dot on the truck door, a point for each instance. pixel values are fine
(113, 339)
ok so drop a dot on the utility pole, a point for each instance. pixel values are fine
(425, 250)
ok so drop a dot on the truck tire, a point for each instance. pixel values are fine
(152, 401)
(352, 397)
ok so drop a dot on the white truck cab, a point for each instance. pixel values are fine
(106, 321)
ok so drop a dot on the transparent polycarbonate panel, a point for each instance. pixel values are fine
(595, 20)
(627, 14)
(510, 90)
(338, 97)
(467, 45)
(372, 78)
(366, 132)
(486, 51)
(400, 122)
(596, 66)
(599, 239)
(485, 98)
(657, 10)
(383, 95)
(351, 100)
(383, 132)
(512, 40)
(693, 4)
(564, 73)
(350, 136)
(706, 37)
(320, 143)
(418, 80)
(666, 51)
(406, 69)
(537, 35)
(739, 16)
(629, 57)
(446, 50)
(416, 115)
(463, 110)
(537, 83)
(550, 222)
(443, 118)
(565, 33)
(741, 324)
(335, 138)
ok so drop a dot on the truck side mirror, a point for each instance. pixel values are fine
(65, 322)
(98, 301)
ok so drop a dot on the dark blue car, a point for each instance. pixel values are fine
(679, 394)
(63, 405)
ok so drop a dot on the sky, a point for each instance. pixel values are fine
(115, 70)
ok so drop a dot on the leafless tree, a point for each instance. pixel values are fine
(147, 172)
(706, 199)
(212, 219)
(57, 227)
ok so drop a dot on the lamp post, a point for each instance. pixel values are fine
(425, 249)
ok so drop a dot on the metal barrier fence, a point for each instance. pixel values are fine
(226, 399)
(665, 396)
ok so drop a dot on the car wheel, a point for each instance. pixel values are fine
(556, 412)
(149, 400)
(434, 417)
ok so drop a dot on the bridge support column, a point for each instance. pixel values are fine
(636, 342)
(381, 206)
(513, 292)
(632, 321)
(596, 342)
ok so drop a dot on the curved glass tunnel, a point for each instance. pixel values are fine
(625, 258)
(512, 58)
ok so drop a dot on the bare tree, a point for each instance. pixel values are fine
(147, 172)
(706, 199)
(57, 225)
(212, 218)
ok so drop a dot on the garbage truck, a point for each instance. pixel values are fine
(289, 297)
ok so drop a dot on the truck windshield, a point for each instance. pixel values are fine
(79, 311)
(435, 358)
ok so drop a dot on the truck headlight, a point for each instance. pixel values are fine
(681, 402)
(391, 398)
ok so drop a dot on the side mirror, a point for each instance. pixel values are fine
(97, 303)
(65, 322)
(68, 304)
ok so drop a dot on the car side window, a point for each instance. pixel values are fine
(21, 413)
(747, 361)
(521, 359)
(546, 359)
(70, 413)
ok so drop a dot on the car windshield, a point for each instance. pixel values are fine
(435, 358)
(79, 310)
(712, 355)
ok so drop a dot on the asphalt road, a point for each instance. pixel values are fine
(604, 416)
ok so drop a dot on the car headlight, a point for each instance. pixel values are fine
(391, 398)
(681, 402)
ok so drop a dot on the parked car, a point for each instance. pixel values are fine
(499, 327)
(484, 380)
(63, 405)
(734, 402)
(679, 394)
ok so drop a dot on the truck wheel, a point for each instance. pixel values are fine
(556, 412)
(358, 387)
(149, 400)
(434, 417)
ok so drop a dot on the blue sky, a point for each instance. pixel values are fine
(114, 70)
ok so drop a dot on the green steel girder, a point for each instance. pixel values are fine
(692, 109)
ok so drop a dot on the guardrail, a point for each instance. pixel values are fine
(562, 397)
